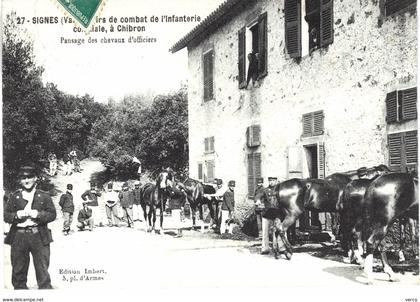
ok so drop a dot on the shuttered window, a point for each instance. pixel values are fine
(321, 161)
(326, 22)
(208, 62)
(253, 134)
(402, 148)
(209, 171)
(293, 28)
(394, 6)
(254, 172)
(209, 144)
(313, 123)
(401, 105)
(262, 45)
(242, 58)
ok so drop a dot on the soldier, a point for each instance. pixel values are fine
(67, 207)
(29, 210)
(126, 201)
(228, 207)
(259, 207)
(137, 210)
(266, 221)
(91, 196)
(111, 201)
(85, 218)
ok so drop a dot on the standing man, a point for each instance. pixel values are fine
(67, 207)
(85, 217)
(228, 207)
(91, 196)
(29, 210)
(111, 208)
(137, 210)
(52, 158)
(218, 198)
(126, 201)
(259, 207)
(267, 221)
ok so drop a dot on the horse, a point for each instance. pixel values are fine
(389, 197)
(195, 191)
(351, 205)
(154, 196)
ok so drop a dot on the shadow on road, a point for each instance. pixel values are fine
(351, 273)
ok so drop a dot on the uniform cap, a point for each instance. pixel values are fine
(69, 187)
(231, 183)
(215, 180)
(27, 171)
(219, 181)
(110, 185)
(260, 180)
(92, 184)
(272, 178)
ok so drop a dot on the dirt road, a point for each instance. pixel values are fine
(123, 258)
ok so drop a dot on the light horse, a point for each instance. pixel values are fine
(389, 197)
(155, 196)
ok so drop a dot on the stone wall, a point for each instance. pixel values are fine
(347, 80)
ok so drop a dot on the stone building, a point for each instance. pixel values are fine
(335, 89)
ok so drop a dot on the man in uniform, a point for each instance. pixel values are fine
(91, 196)
(29, 210)
(267, 221)
(126, 201)
(85, 218)
(228, 207)
(217, 199)
(67, 207)
(111, 206)
(137, 210)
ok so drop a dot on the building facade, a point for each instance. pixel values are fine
(335, 89)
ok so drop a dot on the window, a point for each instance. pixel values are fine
(316, 32)
(253, 136)
(394, 6)
(401, 105)
(209, 144)
(208, 62)
(313, 123)
(252, 51)
(209, 171)
(403, 148)
(254, 171)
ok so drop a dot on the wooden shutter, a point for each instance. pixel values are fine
(326, 23)
(318, 119)
(251, 178)
(293, 28)
(200, 171)
(409, 103)
(391, 107)
(393, 6)
(411, 147)
(307, 124)
(211, 144)
(262, 45)
(395, 142)
(254, 171)
(206, 145)
(241, 58)
(321, 161)
(210, 170)
(208, 75)
(253, 134)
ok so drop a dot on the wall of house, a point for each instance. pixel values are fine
(348, 81)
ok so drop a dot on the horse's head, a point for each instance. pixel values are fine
(164, 181)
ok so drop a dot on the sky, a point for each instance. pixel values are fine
(111, 70)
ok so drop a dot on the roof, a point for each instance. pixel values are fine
(217, 18)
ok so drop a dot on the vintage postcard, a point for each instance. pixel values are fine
(212, 149)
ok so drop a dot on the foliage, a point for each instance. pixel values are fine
(155, 132)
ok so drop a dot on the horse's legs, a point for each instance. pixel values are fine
(200, 210)
(402, 239)
(387, 267)
(211, 209)
(162, 210)
(149, 218)
(373, 243)
(281, 231)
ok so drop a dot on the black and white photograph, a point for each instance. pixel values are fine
(213, 149)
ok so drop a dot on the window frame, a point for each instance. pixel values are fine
(210, 75)
(313, 116)
(396, 104)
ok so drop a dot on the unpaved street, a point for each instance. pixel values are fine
(122, 258)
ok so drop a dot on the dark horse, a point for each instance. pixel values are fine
(351, 205)
(389, 197)
(296, 195)
(155, 196)
(195, 191)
